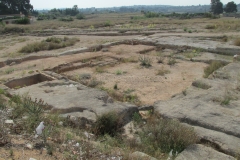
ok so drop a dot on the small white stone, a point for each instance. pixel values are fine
(32, 159)
(29, 146)
(9, 122)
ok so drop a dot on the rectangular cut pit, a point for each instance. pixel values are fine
(28, 81)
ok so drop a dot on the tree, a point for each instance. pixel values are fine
(230, 7)
(216, 7)
(15, 6)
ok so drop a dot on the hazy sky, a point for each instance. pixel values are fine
(49, 4)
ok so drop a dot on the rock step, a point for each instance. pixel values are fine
(222, 142)
(201, 152)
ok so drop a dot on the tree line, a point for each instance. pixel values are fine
(24, 6)
(217, 7)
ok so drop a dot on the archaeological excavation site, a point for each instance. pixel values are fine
(120, 92)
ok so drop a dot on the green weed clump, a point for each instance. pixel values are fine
(49, 44)
(215, 65)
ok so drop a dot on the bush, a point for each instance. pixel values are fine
(108, 123)
(145, 61)
(210, 27)
(237, 42)
(215, 65)
(167, 135)
(13, 30)
(24, 20)
(171, 61)
(66, 19)
(80, 16)
(162, 72)
(107, 24)
(32, 109)
(160, 59)
(151, 14)
(49, 44)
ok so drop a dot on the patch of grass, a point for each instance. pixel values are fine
(237, 42)
(185, 29)
(125, 96)
(201, 85)
(129, 60)
(160, 59)
(119, 72)
(100, 69)
(49, 44)
(120, 51)
(145, 61)
(191, 54)
(171, 61)
(9, 70)
(66, 19)
(215, 65)
(94, 83)
(162, 71)
(226, 100)
(137, 118)
(210, 26)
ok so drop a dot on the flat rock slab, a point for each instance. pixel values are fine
(201, 152)
(205, 43)
(202, 108)
(66, 96)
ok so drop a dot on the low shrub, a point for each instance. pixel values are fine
(145, 61)
(33, 110)
(162, 72)
(66, 19)
(215, 65)
(171, 61)
(80, 16)
(108, 123)
(24, 20)
(49, 44)
(100, 69)
(210, 26)
(166, 135)
(107, 24)
(13, 30)
(160, 59)
(237, 42)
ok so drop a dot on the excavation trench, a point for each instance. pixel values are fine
(28, 81)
